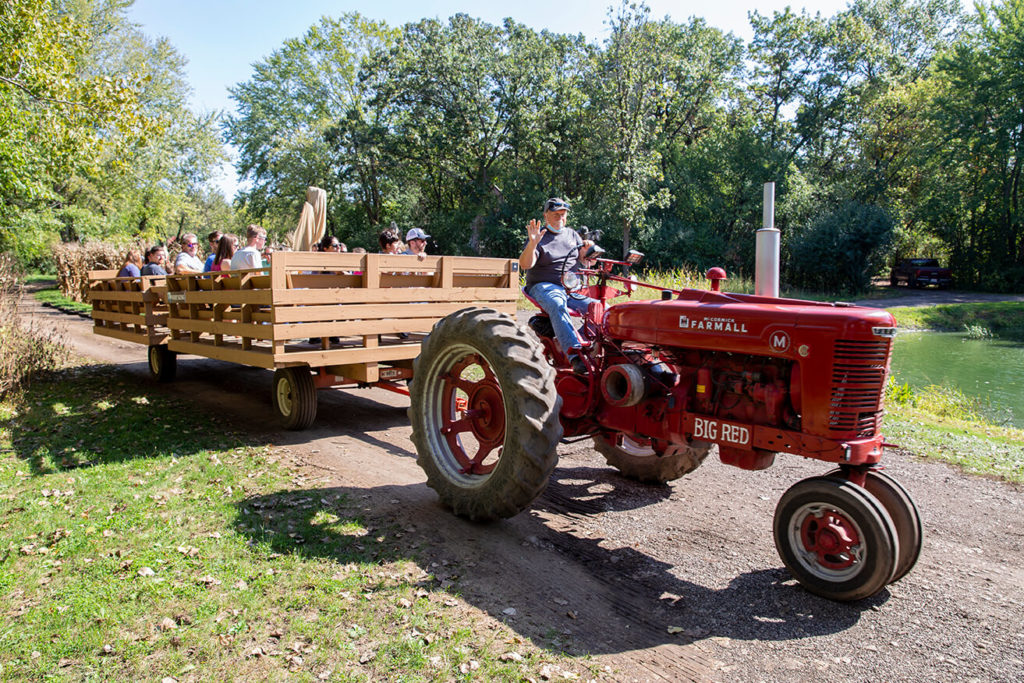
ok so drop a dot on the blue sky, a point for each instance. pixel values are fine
(223, 38)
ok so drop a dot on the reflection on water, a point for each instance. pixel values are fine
(991, 370)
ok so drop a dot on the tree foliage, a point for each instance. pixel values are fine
(96, 137)
(893, 127)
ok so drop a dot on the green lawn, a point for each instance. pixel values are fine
(146, 540)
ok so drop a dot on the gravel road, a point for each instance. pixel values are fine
(667, 583)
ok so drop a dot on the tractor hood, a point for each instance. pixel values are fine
(787, 328)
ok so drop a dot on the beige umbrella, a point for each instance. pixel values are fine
(312, 222)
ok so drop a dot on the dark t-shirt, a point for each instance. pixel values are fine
(554, 250)
(153, 269)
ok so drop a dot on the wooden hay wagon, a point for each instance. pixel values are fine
(317, 320)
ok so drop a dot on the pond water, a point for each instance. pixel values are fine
(991, 370)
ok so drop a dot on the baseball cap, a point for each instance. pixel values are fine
(416, 234)
(556, 204)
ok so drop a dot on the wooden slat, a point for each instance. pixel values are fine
(308, 297)
(130, 318)
(319, 358)
(353, 327)
(139, 338)
(116, 296)
(236, 297)
(291, 314)
(259, 357)
(254, 331)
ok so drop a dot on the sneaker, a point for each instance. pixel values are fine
(579, 366)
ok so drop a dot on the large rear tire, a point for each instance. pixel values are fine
(836, 538)
(640, 462)
(295, 397)
(163, 363)
(484, 414)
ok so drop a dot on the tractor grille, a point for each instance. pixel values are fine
(858, 380)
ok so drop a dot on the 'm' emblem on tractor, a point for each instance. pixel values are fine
(712, 324)
(779, 342)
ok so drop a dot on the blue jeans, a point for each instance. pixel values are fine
(554, 301)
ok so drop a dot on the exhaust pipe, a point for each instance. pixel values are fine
(766, 262)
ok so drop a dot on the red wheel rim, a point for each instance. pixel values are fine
(832, 538)
(473, 407)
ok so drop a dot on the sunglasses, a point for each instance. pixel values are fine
(191, 244)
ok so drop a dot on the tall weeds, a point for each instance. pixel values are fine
(26, 350)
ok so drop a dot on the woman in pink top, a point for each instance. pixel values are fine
(225, 250)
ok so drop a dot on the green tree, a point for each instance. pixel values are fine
(55, 120)
(977, 145)
(305, 118)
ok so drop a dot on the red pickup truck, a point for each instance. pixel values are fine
(920, 272)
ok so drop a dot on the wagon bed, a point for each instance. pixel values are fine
(318, 320)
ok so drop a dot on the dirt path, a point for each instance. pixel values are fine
(603, 566)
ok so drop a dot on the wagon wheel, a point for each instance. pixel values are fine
(905, 517)
(836, 538)
(163, 363)
(639, 461)
(484, 414)
(295, 397)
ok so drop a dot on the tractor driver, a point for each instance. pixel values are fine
(552, 249)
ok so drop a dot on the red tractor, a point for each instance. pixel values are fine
(670, 379)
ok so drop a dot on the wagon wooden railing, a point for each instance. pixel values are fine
(129, 308)
(364, 311)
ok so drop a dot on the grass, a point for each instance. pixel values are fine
(53, 297)
(944, 424)
(1000, 318)
(145, 540)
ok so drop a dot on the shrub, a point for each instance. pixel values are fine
(842, 250)
(25, 349)
(74, 261)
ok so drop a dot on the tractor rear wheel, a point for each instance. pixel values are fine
(163, 363)
(905, 517)
(295, 397)
(836, 538)
(639, 461)
(484, 414)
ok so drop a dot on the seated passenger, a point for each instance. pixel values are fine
(156, 259)
(390, 242)
(250, 256)
(214, 239)
(417, 241)
(132, 264)
(187, 262)
(226, 248)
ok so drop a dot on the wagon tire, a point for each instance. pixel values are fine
(836, 538)
(511, 412)
(905, 517)
(163, 363)
(641, 463)
(295, 397)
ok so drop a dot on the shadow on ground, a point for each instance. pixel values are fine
(567, 592)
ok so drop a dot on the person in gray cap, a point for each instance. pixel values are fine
(552, 248)
(416, 240)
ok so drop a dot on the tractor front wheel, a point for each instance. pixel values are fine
(836, 538)
(484, 414)
(904, 514)
(639, 461)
